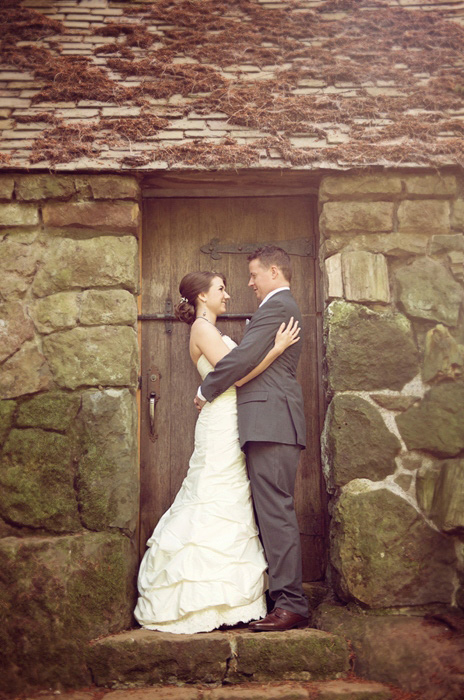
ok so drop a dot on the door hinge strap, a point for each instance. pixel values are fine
(304, 247)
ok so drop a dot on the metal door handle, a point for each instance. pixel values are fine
(152, 401)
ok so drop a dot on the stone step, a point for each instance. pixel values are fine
(353, 689)
(142, 657)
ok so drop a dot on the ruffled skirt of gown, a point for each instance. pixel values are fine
(205, 566)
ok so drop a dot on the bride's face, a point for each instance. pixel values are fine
(216, 296)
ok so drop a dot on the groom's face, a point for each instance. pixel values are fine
(261, 279)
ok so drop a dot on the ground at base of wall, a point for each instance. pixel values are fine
(351, 688)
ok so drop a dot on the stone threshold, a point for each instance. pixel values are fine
(138, 658)
(351, 689)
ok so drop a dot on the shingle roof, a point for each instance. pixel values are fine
(99, 84)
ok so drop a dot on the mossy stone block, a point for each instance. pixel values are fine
(368, 350)
(36, 187)
(54, 410)
(295, 655)
(25, 372)
(93, 356)
(358, 443)
(142, 657)
(15, 328)
(384, 552)
(437, 423)
(57, 593)
(106, 440)
(448, 498)
(7, 409)
(115, 306)
(104, 261)
(426, 290)
(405, 650)
(55, 312)
(37, 480)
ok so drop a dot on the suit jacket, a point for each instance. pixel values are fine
(270, 406)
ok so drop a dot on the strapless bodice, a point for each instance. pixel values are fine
(204, 366)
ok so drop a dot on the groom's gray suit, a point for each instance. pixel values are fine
(272, 432)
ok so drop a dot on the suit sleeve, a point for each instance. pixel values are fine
(255, 345)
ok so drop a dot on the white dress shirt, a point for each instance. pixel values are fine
(266, 298)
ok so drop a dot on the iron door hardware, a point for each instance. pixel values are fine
(168, 317)
(153, 390)
(303, 247)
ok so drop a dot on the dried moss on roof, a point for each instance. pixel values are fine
(354, 58)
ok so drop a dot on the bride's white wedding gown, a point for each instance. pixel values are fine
(205, 566)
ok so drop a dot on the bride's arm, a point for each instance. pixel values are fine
(285, 336)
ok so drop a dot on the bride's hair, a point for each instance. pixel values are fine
(193, 284)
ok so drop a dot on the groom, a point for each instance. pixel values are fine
(272, 432)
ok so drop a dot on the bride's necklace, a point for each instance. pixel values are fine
(213, 324)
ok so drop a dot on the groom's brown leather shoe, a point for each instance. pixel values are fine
(278, 620)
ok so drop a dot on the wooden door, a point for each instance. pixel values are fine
(175, 229)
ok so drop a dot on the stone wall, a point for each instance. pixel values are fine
(68, 435)
(393, 443)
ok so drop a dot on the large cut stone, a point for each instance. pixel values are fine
(333, 276)
(105, 261)
(443, 357)
(430, 184)
(347, 217)
(448, 497)
(114, 187)
(99, 355)
(7, 410)
(426, 480)
(110, 217)
(415, 654)
(365, 276)
(384, 553)
(15, 328)
(342, 185)
(115, 306)
(424, 216)
(37, 479)
(25, 372)
(293, 655)
(395, 402)
(437, 423)
(457, 219)
(396, 245)
(57, 593)
(447, 242)
(18, 214)
(55, 312)
(368, 350)
(349, 690)
(35, 187)
(107, 472)
(357, 443)
(18, 264)
(142, 657)
(6, 187)
(426, 290)
(54, 410)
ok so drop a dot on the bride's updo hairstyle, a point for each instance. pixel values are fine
(193, 284)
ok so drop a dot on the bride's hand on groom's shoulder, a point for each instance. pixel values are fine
(287, 335)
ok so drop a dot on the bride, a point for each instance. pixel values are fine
(205, 565)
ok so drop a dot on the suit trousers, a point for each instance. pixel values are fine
(272, 470)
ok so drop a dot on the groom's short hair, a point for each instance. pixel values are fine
(273, 255)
